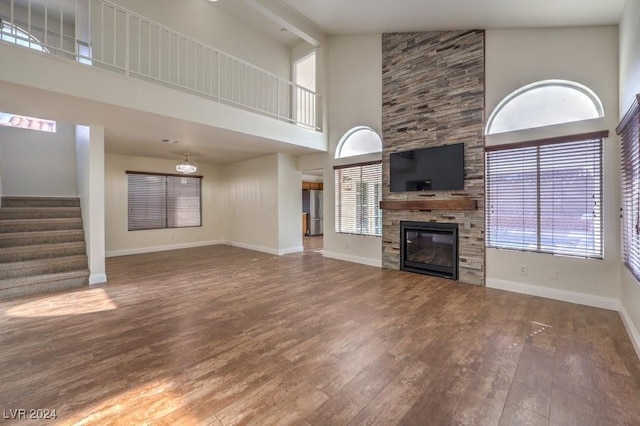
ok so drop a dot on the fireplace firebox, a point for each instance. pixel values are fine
(429, 248)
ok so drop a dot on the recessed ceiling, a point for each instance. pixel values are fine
(380, 16)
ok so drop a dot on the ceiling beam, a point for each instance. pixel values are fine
(293, 21)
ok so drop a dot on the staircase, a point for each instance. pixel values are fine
(42, 246)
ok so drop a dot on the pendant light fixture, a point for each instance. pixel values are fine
(186, 167)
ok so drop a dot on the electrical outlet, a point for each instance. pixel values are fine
(523, 269)
(553, 274)
(467, 225)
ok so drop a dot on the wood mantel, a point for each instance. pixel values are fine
(457, 204)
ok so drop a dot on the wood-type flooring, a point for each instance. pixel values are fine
(221, 335)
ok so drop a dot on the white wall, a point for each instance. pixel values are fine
(589, 56)
(355, 97)
(120, 241)
(629, 55)
(251, 204)
(204, 21)
(37, 163)
(629, 87)
(89, 146)
(289, 205)
(0, 178)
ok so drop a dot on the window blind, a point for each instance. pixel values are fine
(629, 131)
(546, 198)
(358, 195)
(157, 201)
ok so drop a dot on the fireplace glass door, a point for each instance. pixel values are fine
(430, 249)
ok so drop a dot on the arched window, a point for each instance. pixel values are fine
(545, 195)
(14, 34)
(358, 141)
(544, 103)
(358, 186)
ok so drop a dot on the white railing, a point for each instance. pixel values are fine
(100, 33)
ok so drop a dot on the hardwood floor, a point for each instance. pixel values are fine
(313, 244)
(221, 335)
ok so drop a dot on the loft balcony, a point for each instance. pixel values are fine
(102, 35)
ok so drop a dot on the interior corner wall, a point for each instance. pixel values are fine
(587, 55)
(37, 163)
(250, 203)
(0, 177)
(89, 146)
(121, 241)
(629, 32)
(433, 95)
(354, 74)
(289, 205)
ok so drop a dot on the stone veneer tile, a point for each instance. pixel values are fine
(433, 94)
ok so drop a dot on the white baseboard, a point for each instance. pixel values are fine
(97, 279)
(631, 329)
(556, 294)
(269, 250)
(354, 259)
(262, 249)
(154, 249)
(290, 250)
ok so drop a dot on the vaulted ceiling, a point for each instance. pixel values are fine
(377, 16)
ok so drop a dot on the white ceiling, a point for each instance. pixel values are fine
(256, 20)
(379, 16)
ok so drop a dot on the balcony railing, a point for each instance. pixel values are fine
(102, 34)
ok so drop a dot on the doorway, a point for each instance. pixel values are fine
(312, 210)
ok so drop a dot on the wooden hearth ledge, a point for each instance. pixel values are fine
(457, 204)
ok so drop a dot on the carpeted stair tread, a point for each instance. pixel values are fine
(44, 278)
(12, 239)
(42, 266)
(38, 212)
(36, 202)
(41, 251)
(34, 225)
(36, 284)
(42, 247)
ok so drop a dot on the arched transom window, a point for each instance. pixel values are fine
(544, 103)
(358, 141)
(14, 34)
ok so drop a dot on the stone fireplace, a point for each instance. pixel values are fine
(433, 95)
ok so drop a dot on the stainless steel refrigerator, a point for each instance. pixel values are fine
(315, 212)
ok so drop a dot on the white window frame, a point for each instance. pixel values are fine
(629, 132)
(357, 203)
(173, 205)
(368, 203)
(568, 86)
(540, 231)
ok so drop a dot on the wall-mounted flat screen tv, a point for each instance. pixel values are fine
(429, 169)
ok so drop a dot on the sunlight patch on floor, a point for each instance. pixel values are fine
(145, 404)
(75, 303)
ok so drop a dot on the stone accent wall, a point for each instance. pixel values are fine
(433, 94)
